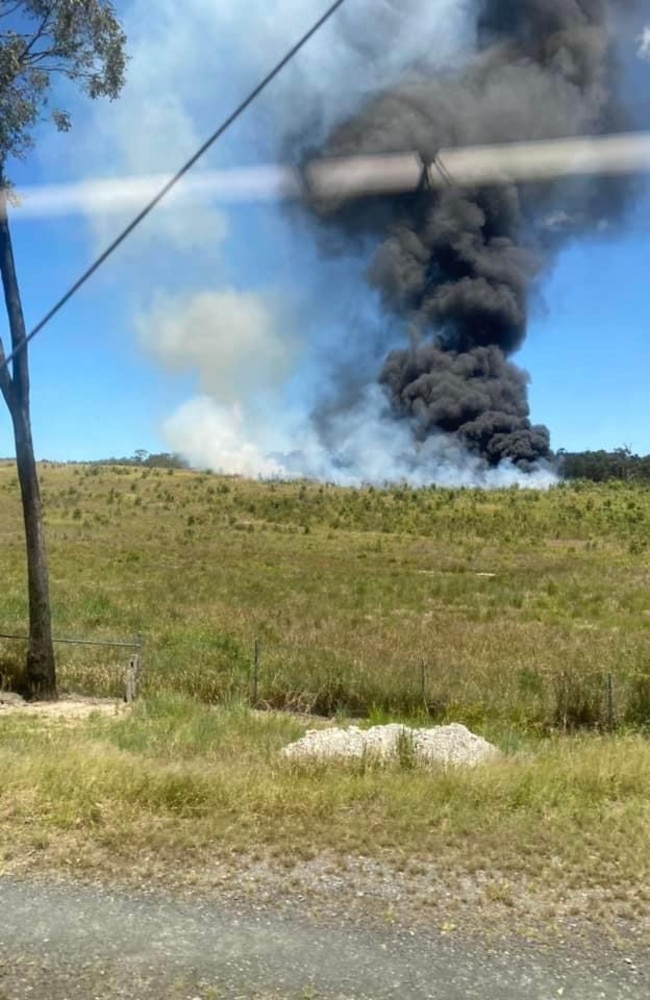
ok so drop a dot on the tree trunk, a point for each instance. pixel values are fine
(40, 667)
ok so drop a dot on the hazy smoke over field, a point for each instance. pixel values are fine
(457, 267)
(290, 381)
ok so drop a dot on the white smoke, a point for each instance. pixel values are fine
(149, 130)
(193, 62)
(643, 50)
(239, 343)
(216, 437)
(371, 447)
(367, 46)
(189, 66)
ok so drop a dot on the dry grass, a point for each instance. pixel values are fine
(180, 785)
(517, 603)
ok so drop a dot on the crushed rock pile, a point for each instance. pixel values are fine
(442, 745)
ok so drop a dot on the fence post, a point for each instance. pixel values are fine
(611, 721)
(256, 671)
(133, 673)
(423, 681)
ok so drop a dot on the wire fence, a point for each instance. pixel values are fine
(330, 679)
(134, 644)
(326, 679)
(132, 676)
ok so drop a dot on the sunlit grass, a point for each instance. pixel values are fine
(492, 608)
(186, 784)
(506, 611)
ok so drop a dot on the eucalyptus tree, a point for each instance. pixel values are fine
(42, 42)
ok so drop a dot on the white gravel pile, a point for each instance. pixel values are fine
(446, 745)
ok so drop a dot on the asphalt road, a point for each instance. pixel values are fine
(66, 942)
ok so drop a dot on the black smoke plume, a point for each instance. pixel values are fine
(457, 267)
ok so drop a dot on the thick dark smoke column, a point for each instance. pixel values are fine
(458, 266)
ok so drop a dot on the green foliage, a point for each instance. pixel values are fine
(579, 701)
(637, 709)
(12, 669)
(605, 466)
(79, 40)
(406, 754)
(143, 459)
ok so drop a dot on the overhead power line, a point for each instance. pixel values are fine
(173, 181)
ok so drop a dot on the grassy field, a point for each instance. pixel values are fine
(506, 611)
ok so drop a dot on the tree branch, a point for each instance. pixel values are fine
(42, 30)
(7, 12)
(76, 74)
(36, 58)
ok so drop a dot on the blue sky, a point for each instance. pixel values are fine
(104, 382)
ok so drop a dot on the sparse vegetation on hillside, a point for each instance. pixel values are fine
(492, 608)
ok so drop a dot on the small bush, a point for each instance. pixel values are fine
(579, 701)
(637, 709)
(12, 670)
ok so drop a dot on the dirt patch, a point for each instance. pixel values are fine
(80, 707)
(67, 708)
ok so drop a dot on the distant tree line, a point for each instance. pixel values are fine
(597, 466)
(601, 466)
(161, 460)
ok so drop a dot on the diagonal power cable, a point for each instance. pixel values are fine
(172, 182)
